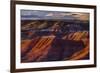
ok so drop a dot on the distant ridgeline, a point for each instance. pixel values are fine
(70, 26)
(56, 27)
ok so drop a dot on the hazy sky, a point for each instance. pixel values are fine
(40, 15)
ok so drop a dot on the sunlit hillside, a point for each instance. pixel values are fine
(54, 41)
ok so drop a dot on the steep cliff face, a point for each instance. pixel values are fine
(51, 48)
